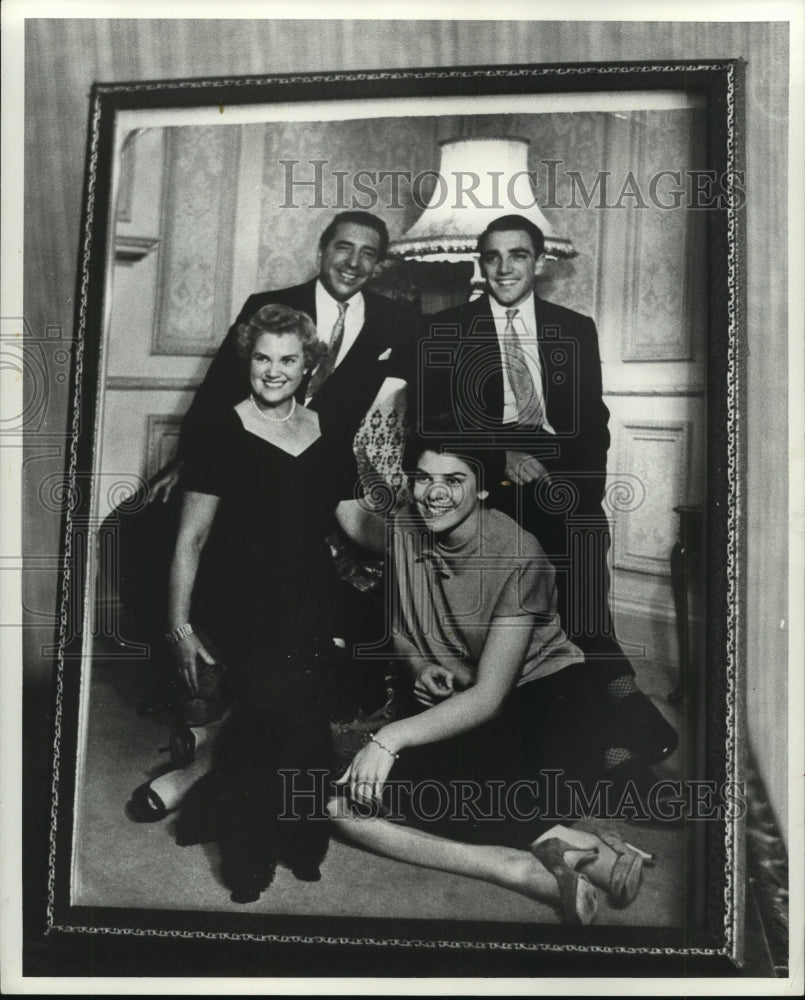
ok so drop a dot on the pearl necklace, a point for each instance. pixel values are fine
(274, 420)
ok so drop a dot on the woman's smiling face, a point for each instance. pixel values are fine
(446, 493)
(276, 368)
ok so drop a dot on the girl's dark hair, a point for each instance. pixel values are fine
(444, 437)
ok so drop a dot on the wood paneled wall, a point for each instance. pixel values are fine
(64, 57)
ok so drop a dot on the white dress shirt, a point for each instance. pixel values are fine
(327, 314)
(525, 326)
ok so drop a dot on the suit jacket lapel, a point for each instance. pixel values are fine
(546, 356)
(479, 367)
(481, 325)
(557, 354)
(367, 334)
(308, 298)
(307, 304)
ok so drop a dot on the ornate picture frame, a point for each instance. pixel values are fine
(689, 419)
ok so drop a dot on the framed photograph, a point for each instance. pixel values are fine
(202, 193)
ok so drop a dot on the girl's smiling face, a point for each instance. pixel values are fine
(446, 494)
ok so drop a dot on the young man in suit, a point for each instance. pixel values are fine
(526, 373)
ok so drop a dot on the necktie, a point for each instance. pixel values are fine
(529, 406)
(327, 363)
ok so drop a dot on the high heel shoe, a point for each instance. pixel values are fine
(182, 747)
(145, 806)
(577, 896)
(187, 743)
(627, 868)
(164, 794)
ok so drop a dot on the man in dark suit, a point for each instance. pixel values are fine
(370, 337)
(526, 374)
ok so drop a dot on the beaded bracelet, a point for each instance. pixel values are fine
(396, 756)
(179, 633)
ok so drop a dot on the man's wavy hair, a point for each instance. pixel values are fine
(514, 223)
(359, 219)
(278, 319)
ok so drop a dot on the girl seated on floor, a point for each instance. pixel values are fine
(480, 775)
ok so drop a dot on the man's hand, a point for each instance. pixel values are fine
(162, 487)
(524, 468)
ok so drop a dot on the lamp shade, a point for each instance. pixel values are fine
(478, 181)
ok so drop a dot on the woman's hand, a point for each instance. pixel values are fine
(163, 486)
(187, 651)
(198, 514)
(369, 770)
(434, 683)
(499, 667)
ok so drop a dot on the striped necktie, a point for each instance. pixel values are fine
(529, 406)
(327, 363)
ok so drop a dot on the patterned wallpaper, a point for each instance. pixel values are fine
(579, 141)
(667, 315)
(289, 235)
(643, 250)
(198, 223)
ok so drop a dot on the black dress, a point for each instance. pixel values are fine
(264, 595)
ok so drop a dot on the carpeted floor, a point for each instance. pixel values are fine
(120, 863)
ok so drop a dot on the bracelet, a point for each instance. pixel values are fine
(396, 756)
(179, 633)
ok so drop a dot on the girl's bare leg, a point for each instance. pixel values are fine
(505, 866)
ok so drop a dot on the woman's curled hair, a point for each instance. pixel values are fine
(278, 319)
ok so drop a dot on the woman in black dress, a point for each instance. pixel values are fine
(252, 568)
